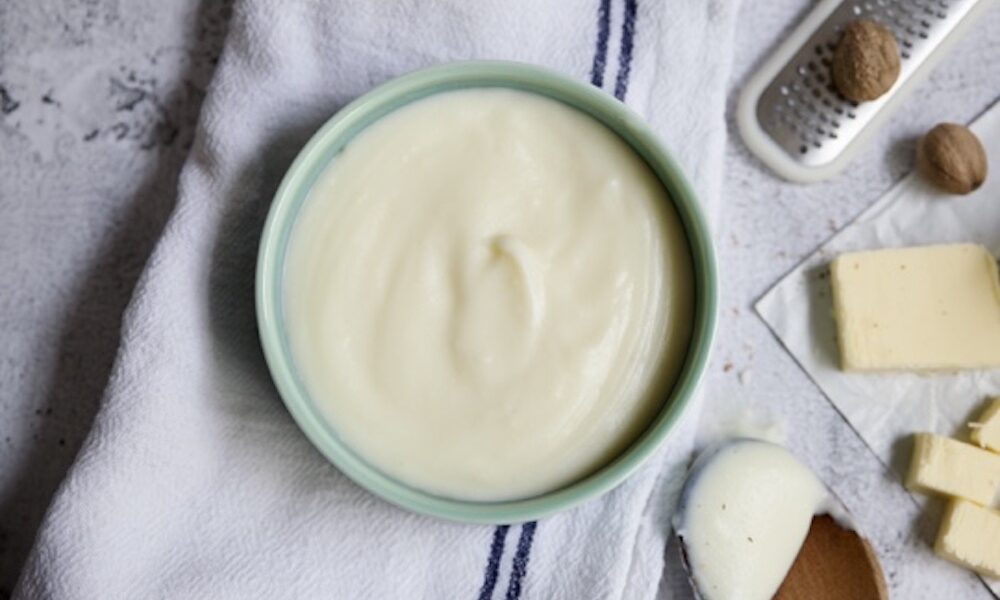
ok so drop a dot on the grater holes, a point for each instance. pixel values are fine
(904, 8)
(819, 120)
(813, 116)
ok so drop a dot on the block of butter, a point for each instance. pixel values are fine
(970, 537)
(946, 466)
(986, 430)
(921, 308)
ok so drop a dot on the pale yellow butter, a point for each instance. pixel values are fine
(946, 466)
(986, 431)
(921, 308)
(970, 536)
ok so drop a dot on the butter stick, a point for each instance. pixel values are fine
(945, 466)
(970, 536)
(986, 430)
(921, 308)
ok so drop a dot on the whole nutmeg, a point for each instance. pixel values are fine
(866, 61)
(952, 158)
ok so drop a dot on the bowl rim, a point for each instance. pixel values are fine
(330, 139)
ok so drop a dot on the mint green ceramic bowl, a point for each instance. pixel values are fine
(324, 147)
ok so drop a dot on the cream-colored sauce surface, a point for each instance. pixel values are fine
(488, 294)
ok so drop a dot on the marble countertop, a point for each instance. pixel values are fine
(98, 103)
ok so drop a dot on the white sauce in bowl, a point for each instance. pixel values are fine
(488, 294)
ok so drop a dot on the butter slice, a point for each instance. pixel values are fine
(970, 536)
(946, 466)
(986, 431)
(922, 308)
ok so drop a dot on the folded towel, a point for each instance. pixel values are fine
(195, 482)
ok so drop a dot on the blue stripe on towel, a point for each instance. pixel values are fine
(625, 54)
(493, 564)
(601, 52)
(519, 567)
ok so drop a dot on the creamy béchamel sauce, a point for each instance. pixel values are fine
(488, 294)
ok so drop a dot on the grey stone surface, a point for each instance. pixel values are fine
(768, 226)
(98, 102)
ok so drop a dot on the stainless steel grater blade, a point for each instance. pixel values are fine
(791, 115)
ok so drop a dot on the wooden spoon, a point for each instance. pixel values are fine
(834, 563)
(772, 496)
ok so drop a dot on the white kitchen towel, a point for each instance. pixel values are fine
(195, 482)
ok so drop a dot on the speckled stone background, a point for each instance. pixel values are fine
(98, 103)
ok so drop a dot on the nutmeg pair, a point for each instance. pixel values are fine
(865, 66)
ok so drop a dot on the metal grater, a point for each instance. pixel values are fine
(790, 114)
